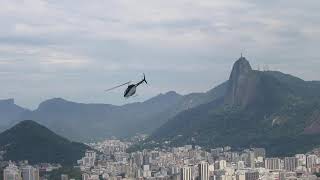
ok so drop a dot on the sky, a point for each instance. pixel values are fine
(76, 49)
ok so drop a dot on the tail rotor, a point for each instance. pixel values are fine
(144, 78)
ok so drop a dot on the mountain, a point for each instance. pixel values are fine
(85, 122)
(258, 108)
(9, 111)
(31, 141)
(241, 88)
(185, 102)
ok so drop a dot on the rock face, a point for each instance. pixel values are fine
(259, 108)
(242, 84)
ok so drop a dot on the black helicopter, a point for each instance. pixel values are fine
(131, 89)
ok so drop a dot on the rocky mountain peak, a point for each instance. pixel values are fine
(240, 68)
(241, 83)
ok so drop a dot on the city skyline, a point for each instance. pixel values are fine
(110, 160)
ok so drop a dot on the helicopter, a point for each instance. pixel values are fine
(131, 89)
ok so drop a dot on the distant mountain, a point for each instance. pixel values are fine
(80, 121)
(9, 111)
(185, 102)
(31, 141)
(84, 122)
(268, 109)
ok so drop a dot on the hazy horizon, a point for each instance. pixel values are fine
(77, 49)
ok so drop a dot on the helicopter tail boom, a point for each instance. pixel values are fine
(142, 81)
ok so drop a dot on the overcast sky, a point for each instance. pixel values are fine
(75, 49)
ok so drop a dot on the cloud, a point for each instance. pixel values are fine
(78, 47)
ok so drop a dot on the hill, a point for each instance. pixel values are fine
(268, 109)
(9, 111)
(31, 141)
(85, 122)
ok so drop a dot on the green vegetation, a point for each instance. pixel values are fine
(283, 107)
(35, 143)
(72, 172)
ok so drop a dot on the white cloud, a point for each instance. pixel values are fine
(85, 44)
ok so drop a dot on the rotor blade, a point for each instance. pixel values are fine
(118, 86)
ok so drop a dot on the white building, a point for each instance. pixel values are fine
(222, 164)
(302, 159)
(290, 163)
(30, 173)
(240, 175)
(88, 160)
(85, 176)
(11, 173)
(146, 171)
(204, 171)
(273, 163)
(311, 161)
(186, 173)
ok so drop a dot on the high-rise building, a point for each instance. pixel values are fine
(85, 176)
(273, 163)
(252, 175)
(11, 173)
(203, 171)
(290, 163)
(30, 173)
(302, 159)
(240, 175)
(146, 171)
(251, 160)
(89, 159)
(138, 158)
(174, 170)
(186, 173)
(222, 164)
(311, 161)
(36, 174)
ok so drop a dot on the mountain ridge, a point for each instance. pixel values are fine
(89, 121)
(258, 108)
(31, 141)
(271, 91)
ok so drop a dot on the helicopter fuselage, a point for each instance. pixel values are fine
(130, 91)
